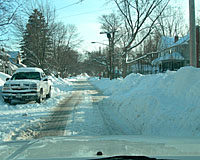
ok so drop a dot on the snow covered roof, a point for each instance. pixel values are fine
(21, 65)
(168, 42)
(18, 64)
(165, 42)
(10, 64)
(182, 40)
(13, 67)
(13, 54)
(173, 56)
(4, 54)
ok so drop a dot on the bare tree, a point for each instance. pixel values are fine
(8, 13)
(68, 61)
(65, 40)
(97, 61)
(44, 6)
(171, 22)
(198, 17)
(111, 24)
(139, 16)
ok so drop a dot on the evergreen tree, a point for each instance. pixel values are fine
(36, 41)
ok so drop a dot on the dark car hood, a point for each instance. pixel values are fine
(80, 147)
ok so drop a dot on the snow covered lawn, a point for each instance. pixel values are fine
(165, 104)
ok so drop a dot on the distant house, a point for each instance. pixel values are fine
(4, 62)
(10, 61)
(15, 58)
(173, 53)
(141, 68)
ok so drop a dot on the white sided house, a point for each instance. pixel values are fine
(10, 61)
(173, 53)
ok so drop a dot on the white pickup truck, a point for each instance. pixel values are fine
(27, 84)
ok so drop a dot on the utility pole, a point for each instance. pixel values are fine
(110, 52)
(192, 34)
(197, 45)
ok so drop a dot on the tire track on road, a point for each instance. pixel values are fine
(55, 124)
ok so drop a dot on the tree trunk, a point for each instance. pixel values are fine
(124, 66)
(113, 67)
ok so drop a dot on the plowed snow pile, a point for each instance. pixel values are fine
(165, 104)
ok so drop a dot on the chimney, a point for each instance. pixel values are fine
(18, 58)
(175, 39)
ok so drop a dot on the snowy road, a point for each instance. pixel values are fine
(82, 113)
(56, 123)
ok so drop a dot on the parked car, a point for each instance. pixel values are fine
(27, 84)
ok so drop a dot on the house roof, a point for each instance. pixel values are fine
(165, 42)
(13, 54)
(182, 40)
(4, 54)
(168, 42)
(18, 64)
(12, 66)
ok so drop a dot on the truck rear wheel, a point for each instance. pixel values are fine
(49, 94)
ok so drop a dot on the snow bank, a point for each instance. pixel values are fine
(163, 104)
(15, 117)
(82, 76)
(106, 85)
(60, 86)
(3, 77)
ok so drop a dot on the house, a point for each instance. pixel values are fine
(173, 53)
(15, 58)
(10, 61)
(142, 64)
(4, 62)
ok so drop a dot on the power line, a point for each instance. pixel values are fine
(84, 13)
(72, 4)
